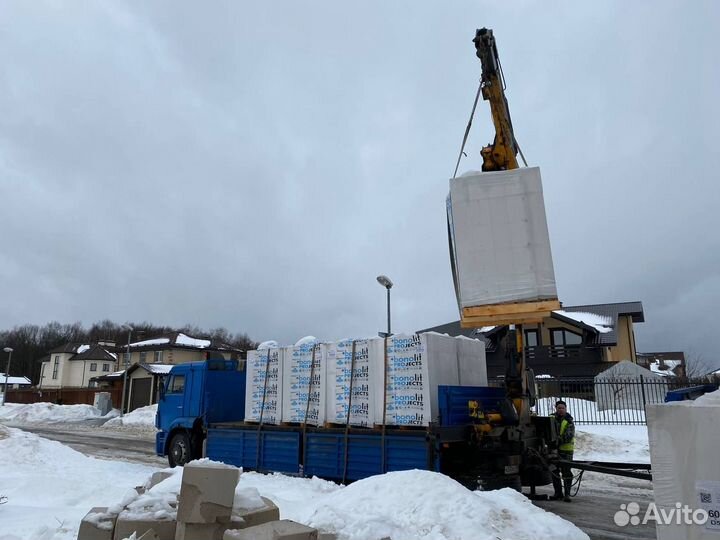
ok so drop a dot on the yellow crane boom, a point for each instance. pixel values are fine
(501, 154)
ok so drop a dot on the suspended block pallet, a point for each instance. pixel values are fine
(509, 313)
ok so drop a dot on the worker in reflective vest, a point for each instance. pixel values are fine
(566, 446)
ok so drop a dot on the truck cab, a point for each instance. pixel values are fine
(193, 396)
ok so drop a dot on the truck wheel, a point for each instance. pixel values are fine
(180, 451)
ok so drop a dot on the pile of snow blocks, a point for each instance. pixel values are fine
(361, 382)
(499, 238)
(205, 509)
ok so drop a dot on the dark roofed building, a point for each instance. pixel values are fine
(575, 341)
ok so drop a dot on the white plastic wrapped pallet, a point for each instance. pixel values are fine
(499, 238)
(340, 374)
(684, 440)
(416, 366)
(263, 399)
(472, 365)
(303, 395)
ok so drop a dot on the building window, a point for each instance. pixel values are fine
(56, 365)
(106, 367)
(532, 338)
(143, 357)
(563, 338)
(126, 358)
(177, 384)
(93, 366)
(158, 357)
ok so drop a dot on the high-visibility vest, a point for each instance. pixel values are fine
(568, 446)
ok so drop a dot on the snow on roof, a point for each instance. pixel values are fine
(156, 341)
(159, 369)
(82, 348)
(14, 380)
(666, 368)
(601, 323)
(484, 329)
(182, 339)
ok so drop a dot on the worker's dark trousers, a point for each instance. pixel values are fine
(566, 475)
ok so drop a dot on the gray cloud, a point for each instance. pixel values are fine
(256, 167)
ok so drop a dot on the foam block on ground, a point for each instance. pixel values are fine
(207, 493)
(127, 524)
(97, 525)
(274, 530)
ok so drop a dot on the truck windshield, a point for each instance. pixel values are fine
(176, 385)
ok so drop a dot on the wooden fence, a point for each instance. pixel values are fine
(64, 396)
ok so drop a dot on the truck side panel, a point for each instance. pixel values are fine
(325, 454)
(279, 451)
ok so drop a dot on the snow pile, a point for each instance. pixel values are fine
(628, 444)
(409, 505)
(144, 417)
(709, 400)
(82, 348)
(46, 413)
(50, 487)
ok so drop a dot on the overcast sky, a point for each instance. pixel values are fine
(255, 166)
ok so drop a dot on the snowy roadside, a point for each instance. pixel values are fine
(50, 488)
(139, 423)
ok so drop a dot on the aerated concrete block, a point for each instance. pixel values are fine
(158, 477)
(149, 535)
(207, 493)
(126, 524)
(97, 525)
(258, 516)
(275, 530)
(206, 531)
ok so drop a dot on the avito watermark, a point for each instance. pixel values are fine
(682, 514)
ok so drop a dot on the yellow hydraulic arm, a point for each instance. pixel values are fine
(501, 154)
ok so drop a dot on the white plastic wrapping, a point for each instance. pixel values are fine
(339, 374)
(684, 441)
(416, 365)
(263, 402)
(499, 241)
(303, 384)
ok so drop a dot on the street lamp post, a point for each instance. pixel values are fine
(127, 365)
(385, 282)
(7, 374)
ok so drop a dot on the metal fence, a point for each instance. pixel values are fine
(611, 401)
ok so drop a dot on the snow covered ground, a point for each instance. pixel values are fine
(51, 487)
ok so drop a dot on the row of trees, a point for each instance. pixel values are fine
(30, 342)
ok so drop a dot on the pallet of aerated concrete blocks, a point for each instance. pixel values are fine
(361, 382)
(207, 507)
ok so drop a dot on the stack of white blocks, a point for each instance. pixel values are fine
(206, 510)
(393, 381)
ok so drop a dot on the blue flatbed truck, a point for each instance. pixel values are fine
(202, 407)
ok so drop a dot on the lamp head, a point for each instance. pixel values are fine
(385, 281)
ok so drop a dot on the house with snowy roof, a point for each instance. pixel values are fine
(576, 341)
(14, 382)
(150, 360)
(73, 365)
